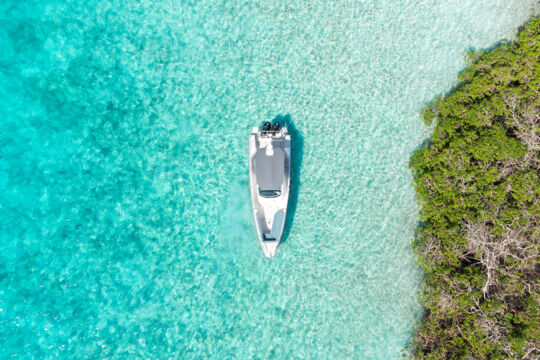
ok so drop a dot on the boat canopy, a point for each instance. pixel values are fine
(269, 168)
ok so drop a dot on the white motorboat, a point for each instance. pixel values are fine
(269, 178)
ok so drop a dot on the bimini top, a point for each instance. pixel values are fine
(269, 168)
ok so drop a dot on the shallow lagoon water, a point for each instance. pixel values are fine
(126, 227)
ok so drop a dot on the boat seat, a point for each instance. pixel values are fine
(269, 237)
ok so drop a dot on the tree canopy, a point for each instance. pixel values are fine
(478, 184)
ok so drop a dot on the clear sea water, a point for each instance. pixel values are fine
(125, 222)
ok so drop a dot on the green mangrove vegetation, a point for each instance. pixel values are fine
(477, 181)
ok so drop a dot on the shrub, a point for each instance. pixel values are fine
(478, 184)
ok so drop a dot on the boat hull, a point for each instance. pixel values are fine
(269, 168)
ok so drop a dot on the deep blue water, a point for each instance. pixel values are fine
(125, 220)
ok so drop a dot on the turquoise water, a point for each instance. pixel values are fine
(126, 227)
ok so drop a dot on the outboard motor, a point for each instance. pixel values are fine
(276, 126)
(267, 126)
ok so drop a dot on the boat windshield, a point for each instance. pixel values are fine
(269, 193)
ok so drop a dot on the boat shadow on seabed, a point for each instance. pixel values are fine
(297, 152)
